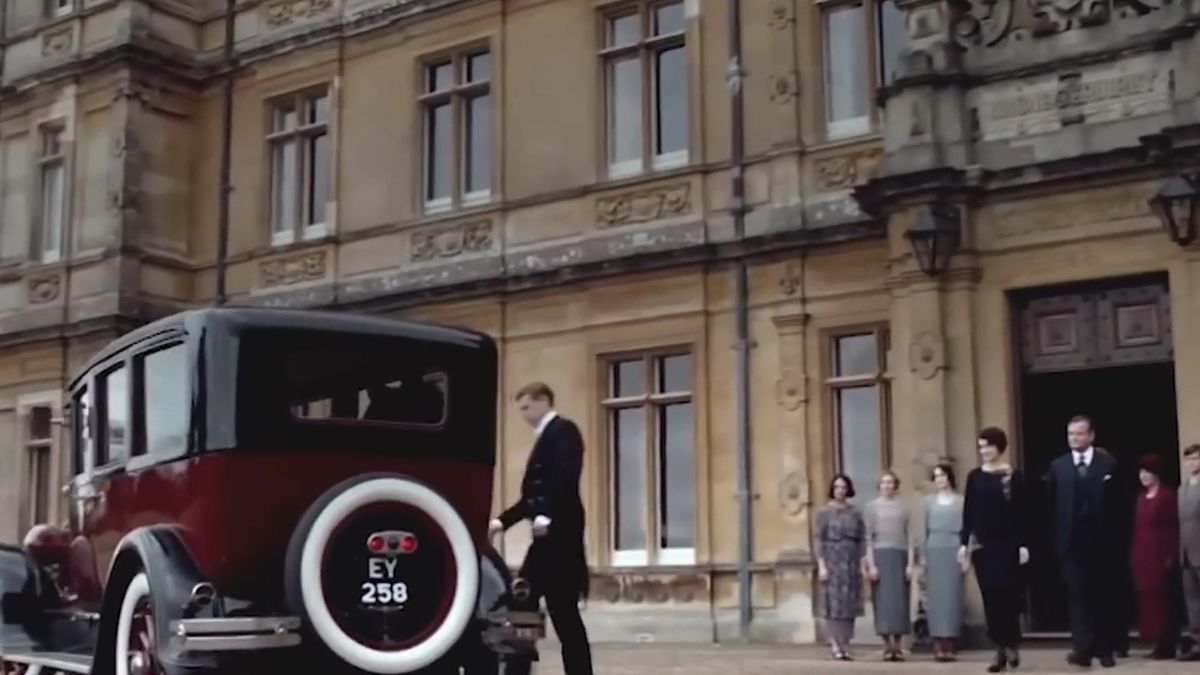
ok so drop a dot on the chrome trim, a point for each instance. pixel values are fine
(64, 663)
(235, 633)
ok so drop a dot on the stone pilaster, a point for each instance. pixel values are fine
(782, 82)
(791, 395)
(1185, 318)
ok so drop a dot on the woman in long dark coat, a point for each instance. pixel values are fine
(995, 513)
(840, 548)
(1154, 560)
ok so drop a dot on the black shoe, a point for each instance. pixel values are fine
(1107, 661)
(1014, 658)
(1074, 659)
(999, 663)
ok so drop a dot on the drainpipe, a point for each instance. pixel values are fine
(741, 319)
(225, 187)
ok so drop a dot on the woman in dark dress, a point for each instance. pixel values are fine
(994, 541)
(1154, 560)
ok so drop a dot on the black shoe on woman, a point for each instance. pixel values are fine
(999, 663)
(1014, 658)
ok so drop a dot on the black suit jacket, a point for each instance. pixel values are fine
(550, 487)
(1102, 487)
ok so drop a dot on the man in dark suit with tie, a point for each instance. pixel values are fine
(556, 564)
(1084, 491)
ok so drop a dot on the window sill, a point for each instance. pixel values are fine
(609, 182)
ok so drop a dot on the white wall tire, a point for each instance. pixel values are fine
(312, 591)
(137, 591)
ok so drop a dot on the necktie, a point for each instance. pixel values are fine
(1081, 466)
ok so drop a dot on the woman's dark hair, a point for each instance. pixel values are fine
(996, 437)
(947, 469)
(849, 485)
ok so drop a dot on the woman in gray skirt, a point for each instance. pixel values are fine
(840, 547)
(889, 565)
(939, 560)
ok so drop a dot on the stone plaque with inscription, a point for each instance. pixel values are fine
(1104, 93)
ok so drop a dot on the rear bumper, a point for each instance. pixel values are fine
(235, 634)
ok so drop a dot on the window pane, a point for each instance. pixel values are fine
(317, 109)
(856, 355)
(858, 435)
(317, 191)
(625, 109)
(39, 423)
(478, 162)
(677, 498)
(628, 378)
(439, 139)
(893, 37)
(675, 373)
(671, 104)
(479, 67)
(629, 468)
(439, 77)
(669, 19)
(284, 117)
(51, 142)
(116, 414)
(624, 30)
(53, 177)
(166, 400)
(283, 186)
(39, 488)
(845, 64)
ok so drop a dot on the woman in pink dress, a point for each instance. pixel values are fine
(1154, 559)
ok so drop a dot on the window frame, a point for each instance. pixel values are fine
(38, 451)
(881, 378)
(874, 77)
(647, 47)
(57, 9)
(651, 401)
(140, 452)
(51, 156)
(300, 100)
(102, 458)
(459, 94)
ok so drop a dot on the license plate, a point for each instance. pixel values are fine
(382, 588)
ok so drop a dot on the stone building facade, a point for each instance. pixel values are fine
(557, 173)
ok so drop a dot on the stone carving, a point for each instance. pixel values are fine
(989, 22)
(836, 173)
(283, 13)
(785, 87)
(782, 13)
(448, 241)
(1018, 219)
(643, 206)
(790, 389)
(793, 493)
(44, 288)
(307, 266)
(58, 43)
(927, 355)
(658, 589)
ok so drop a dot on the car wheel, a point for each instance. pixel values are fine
(136, 646)
(389, 609)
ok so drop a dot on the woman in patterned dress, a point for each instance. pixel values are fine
(840, 549)
(889, 565)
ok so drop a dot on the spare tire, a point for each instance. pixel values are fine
(384, 573)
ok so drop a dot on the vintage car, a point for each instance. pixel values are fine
(262, 488)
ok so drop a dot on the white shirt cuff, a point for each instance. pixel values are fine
(541, 521)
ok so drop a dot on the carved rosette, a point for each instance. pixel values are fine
(43, 289)
(927, 355)
(58, 42)
(295, 269)
(784, 87)
(643, 206)
(449, 241)
(782, 14)
(793, 493)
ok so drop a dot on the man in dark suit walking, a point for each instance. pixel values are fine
(556, 564)
(1084, 491)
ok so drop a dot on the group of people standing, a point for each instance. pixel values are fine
(986, 528)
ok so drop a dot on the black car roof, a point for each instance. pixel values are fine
(235, 319)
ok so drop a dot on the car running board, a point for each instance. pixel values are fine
(45, 663)
(235, 634)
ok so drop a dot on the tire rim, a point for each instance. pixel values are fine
(135, 643)
(465, 560)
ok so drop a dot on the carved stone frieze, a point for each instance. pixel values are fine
(308, 266)
(655, 589)
(279, 14)
(844, 171)
(643, 205)
(42, 289)
(448, 241)
(58, 42)
(990, 22)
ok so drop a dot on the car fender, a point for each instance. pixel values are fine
(159, 551)
(495, 582)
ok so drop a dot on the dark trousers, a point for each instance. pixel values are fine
(561, 594)
(998, 570)
(1091, 593)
